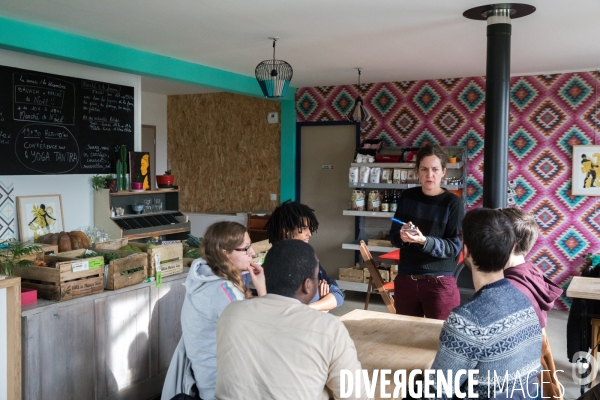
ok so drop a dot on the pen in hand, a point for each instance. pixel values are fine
(398, 221)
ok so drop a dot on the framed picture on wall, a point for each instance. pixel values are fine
(586, 171)
(39, 215)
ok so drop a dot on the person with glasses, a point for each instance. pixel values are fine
(293, 220)
(213, 283)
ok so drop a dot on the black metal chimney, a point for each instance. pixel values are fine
(497, 87)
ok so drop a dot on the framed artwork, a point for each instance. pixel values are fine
(139, 168)
(586, 171)
(39, 215)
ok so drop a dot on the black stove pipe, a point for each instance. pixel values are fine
(495, 167)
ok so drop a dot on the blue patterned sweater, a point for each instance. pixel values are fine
(497, 331)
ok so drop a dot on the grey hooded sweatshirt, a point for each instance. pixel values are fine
(206, 297)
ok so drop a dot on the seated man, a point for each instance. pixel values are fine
(275, 347)
(541, 291)
(497, 332)
(293, 220)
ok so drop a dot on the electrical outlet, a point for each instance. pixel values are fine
(273, 196)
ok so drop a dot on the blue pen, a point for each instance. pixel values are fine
(398, 221)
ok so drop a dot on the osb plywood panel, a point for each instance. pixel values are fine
(223, 152)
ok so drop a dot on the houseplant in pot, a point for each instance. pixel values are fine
(166, 180)
(137, 183)
(15, 254)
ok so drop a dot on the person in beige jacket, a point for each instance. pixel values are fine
(275, 346)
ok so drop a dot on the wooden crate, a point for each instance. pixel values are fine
(385, 275)
(351, 275)
(61, 283)
(114, 244)
(171, 258)
(171, 255)
(380, 242)
(187, 261)
(130, 260)
(262, 246)
(393, 272)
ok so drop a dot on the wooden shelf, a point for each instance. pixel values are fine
(374, 214)
(128, 193)
(374, 249)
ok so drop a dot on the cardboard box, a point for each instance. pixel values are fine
(351, 275)
(28, 296)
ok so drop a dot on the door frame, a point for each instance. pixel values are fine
(299, 126)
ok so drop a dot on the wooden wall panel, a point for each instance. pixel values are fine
(224, 154)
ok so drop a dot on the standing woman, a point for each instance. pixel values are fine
(425, 285)
(293, 220)
(212, 283)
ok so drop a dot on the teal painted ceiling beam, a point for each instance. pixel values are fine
(47, 42)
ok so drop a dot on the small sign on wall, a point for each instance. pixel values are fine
(328, 167)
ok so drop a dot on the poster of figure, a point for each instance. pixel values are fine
(39, 215)
(139, 168)
(586, 171)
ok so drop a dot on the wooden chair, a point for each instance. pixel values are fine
(375, 280)
(594, 342)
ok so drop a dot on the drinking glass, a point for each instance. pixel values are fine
(147, 206)
(157, 205)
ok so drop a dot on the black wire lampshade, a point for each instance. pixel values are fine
(274, 76)
(359, 112)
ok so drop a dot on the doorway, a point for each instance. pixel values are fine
(326, 151)
(149, 145)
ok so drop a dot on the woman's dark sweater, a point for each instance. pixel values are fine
(439, 219)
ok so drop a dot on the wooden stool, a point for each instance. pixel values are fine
(594, 342)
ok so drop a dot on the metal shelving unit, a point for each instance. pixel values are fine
(454, 170)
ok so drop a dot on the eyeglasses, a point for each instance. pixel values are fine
(246, 249)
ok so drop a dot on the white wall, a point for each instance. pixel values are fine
(75, 190)
(154, 112)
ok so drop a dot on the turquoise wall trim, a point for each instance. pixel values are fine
(287, 183)
(47, 42)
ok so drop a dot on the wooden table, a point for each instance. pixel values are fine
(391, 341)
(584, 288)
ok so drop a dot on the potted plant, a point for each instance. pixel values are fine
(98, 182)
(12, 253)
(138, 182)
(111, 183)
(166, 180)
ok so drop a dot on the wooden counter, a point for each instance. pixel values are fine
(584, 288)
(392, 341)
(10, 334)
(111, 345)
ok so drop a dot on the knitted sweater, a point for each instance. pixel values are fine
(496, 332)
(439, 219)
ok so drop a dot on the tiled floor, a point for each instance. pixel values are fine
(556, 330)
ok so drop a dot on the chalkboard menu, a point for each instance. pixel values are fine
(53, 124)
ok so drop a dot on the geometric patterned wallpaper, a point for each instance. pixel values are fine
(548, 115)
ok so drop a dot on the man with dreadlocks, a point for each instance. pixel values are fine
(293, 220)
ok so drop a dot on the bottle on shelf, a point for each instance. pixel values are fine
(394, 201)
(385, 203)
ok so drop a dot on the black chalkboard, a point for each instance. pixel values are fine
(53, 124)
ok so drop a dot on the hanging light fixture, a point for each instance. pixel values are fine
(274, 76)
(359, 112)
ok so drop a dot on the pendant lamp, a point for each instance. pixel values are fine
(274, 76)
(358, 113)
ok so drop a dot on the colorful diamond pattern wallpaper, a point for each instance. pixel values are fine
(549, 114)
